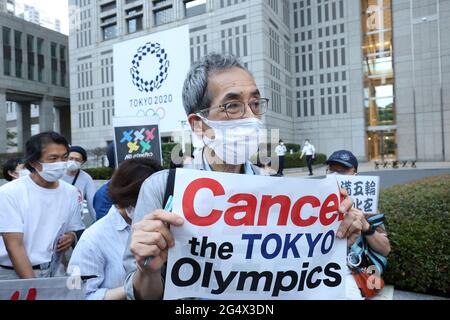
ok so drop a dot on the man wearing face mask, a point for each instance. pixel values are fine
(80, 179)
(39, 213)
(224, 108)
(310, 152)
(280, 150)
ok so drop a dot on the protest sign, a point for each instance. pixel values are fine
(66, 288)
(255, 237)
(137, 137)
(364, 190)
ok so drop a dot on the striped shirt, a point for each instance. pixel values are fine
(99, 253)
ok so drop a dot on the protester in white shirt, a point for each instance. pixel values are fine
(280, 150)
(100, 249)
(310, 153)
(80, 179)
(39, 214)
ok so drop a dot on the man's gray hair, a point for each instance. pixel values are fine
(195, 90)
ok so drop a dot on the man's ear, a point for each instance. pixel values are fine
(36, 166)
(196, 125)
(13, 174)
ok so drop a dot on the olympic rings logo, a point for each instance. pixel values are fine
(145, 85)
(160, 113)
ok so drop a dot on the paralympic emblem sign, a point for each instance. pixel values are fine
(137, 137)
(149, 74)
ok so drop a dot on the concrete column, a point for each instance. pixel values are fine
(3, 139)
(1, 54)
(57, 118)
(46, 114)
(23, 124)
(64, 120)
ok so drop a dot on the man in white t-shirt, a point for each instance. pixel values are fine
(310, 152)
(39, 214)
(280, 150)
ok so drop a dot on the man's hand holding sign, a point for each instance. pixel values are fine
(239, 241)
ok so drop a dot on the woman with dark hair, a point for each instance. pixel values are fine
(14, 168)
(100, 249)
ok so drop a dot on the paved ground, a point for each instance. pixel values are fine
(389, 176)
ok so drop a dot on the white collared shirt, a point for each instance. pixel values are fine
(309, 150)
(99, 253)
(281, 150)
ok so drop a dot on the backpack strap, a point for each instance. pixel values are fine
(170, 186)
(76, 178)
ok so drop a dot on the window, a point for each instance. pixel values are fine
(134, 24)
(7, 52)
(54, 63)
(62, 63)
(40, 62)
(108, 6)
(194, 7)
(18, 52)
(30, 56)
(109, 32)
(163, 16)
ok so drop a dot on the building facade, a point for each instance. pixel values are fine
(33, 72)
(7, 6)
(339, 72)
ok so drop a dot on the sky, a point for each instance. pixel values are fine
(52, 8)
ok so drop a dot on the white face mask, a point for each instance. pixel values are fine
(52, 172)
(235, 141)
(130, 212)
(73, 165)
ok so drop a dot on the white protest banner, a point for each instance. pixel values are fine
(364, 190)
(255, 237)
(66, 288)
(149, 74)
(137, 137)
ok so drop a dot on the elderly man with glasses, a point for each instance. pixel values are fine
(224, 108)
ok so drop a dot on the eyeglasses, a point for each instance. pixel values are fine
(236, 109)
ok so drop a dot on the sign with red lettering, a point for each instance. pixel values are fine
(256, 237)
(65, 288)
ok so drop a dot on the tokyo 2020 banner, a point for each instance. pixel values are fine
(149, 73)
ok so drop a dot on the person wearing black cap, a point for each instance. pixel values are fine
(79, 178)
(345, 163)
(342, 162)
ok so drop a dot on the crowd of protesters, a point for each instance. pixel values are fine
(41, 216)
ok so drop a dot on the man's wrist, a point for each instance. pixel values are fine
(369, 231)
(365, 226)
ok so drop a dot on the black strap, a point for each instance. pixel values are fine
(76, 177)
(170, 186)
(38, 267)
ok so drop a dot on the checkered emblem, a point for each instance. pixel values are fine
(139, 80)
